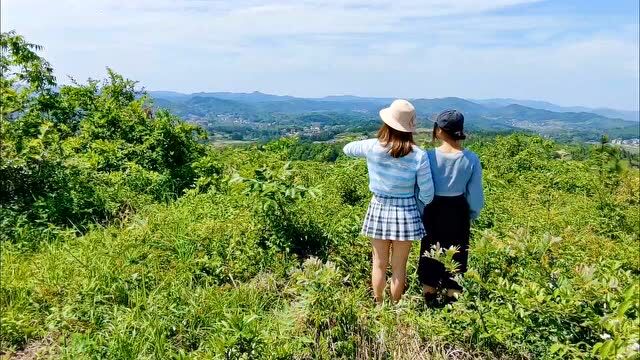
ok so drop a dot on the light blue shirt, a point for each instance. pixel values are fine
(456, 174)
(396, 177)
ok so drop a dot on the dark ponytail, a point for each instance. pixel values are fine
(434, 137)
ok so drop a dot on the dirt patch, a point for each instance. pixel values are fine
(37, 349)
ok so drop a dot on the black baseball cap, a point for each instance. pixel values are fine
(451, 122)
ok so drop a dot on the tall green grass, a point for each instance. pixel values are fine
(550, 275)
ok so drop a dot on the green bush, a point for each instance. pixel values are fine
(129, 238)
(87, 153)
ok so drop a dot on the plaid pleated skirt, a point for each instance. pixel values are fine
(391, 218)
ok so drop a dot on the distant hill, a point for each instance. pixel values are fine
(564, 123)
(253, 97)
(203, 106)
(490, 114)
(356, 98)
(168, 95)
(622, 114)
(544, 105)
(434, 106)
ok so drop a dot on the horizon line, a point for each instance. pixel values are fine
(591, 107)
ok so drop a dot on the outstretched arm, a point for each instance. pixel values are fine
(359, 148)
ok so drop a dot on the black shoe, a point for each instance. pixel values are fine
(431, 299)
(448, 300)
(451, 299)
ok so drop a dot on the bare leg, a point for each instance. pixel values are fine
(399, 255)
(379, 268)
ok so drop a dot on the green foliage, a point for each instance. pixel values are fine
(620, 339)
(445, 256)
(257, 257)
(293, 148)
(27, 79)
(91, 153)
(276, 196)
(218, 273)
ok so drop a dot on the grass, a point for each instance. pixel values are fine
(197, 279)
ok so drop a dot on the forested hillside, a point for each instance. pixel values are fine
(125, 235)
(245, 115)
(629, 115)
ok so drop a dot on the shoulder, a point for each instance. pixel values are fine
(473, 157)
(418, 150)
(430, 153)
(419, 153)
(371, 142)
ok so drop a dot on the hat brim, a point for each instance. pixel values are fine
(460, 136)
(387, 117)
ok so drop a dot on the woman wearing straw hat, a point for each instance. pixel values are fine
(397, 167)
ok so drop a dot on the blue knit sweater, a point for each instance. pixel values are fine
(407, 176)
(458, 173)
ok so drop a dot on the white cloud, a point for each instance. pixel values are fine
(235, 19)
(412, 48)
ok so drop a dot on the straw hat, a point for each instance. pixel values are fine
(401, 115)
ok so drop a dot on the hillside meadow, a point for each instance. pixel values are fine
(125, 235)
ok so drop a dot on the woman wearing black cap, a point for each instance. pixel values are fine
(457, 178)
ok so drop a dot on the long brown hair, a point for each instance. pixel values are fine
(400, 143)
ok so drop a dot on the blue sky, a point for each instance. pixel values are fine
(565, 51)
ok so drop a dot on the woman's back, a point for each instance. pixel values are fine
(457, 181)
(457, 173)
(451, 171)
(396, 168)
(390, 176)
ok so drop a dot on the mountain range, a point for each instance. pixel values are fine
(502, 114)
(544, 105)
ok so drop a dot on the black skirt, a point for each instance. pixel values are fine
(447, 221)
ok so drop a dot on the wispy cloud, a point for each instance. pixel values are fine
(414, 48)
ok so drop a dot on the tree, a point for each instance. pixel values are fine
(86, 153)
(27, 80)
